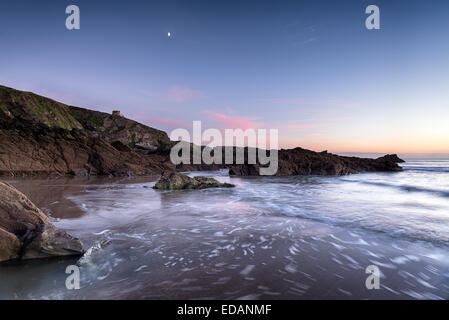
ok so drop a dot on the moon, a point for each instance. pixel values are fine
(169, 34)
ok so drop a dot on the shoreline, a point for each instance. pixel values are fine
(302, 249)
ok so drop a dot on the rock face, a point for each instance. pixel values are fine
(42, 136)
(177, 181)
(117, 128)
(34, 149)
(27, 233)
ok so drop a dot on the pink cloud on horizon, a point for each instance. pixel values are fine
(234, 122)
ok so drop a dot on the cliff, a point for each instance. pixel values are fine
(41, 136)
(30, 107)
(117, 128)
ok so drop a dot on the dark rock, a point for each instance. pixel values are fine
(41, 136)
(34, 149)
(27, 233)
(177, 181)
(390, 158)
(131, 133)
(300, 161)
(121, 147)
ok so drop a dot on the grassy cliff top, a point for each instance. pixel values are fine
(30, 106)
(38, 109)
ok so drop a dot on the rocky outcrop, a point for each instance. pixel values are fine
(112, 128)
(42, 136)
(32, 149)
(300, 161)
(177, 181)
(27, 233)
(15, 104)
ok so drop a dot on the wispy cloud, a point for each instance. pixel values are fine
(181, 94)
(233, 121)
(310, 40)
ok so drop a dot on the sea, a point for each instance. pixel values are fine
(298, 237)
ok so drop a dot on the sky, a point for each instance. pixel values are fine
(310, 69)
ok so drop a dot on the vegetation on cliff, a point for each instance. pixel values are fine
(15, 104)
(35, 108)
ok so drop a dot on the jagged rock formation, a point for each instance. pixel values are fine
(177, 181)
(117, 128)
(300, 161)
(30, 149)
(27, 233)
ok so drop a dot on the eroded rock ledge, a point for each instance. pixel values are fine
(27, 233)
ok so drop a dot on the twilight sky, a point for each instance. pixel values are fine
(309, 68)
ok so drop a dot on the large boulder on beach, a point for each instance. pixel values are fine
(171, 180)
(27, 233)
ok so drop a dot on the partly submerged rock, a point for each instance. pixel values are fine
(27, 233)
(176, 181)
